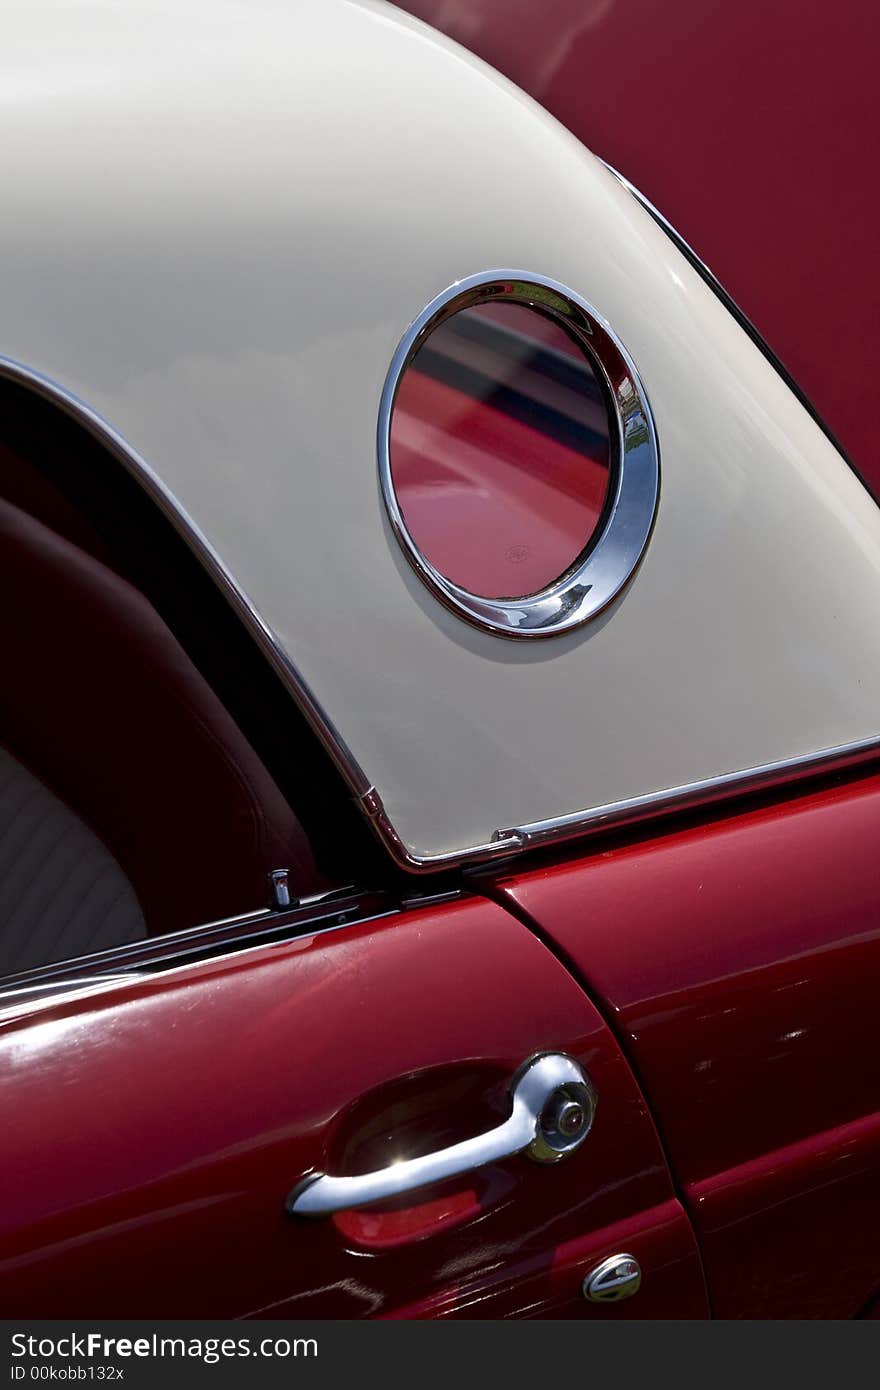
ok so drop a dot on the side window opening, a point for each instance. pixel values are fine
(138, 720)
(62, 894)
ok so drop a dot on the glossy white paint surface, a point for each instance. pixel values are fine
(219, 219)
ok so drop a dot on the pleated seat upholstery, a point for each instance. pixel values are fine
(130, 802)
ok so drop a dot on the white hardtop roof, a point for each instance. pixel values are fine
(219, 222)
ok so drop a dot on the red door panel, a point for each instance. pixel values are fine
(796, 1232)
(154, 1131)
(741, 962)
(661, 1240)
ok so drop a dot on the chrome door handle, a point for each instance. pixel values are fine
(552, 1108)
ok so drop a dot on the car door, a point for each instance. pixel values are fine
(157, 1123)
(739, 959)
(199, 1013)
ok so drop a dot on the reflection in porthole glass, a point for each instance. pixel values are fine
(500, 451)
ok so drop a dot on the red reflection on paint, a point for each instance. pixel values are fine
(384, 1228)
(500, 450)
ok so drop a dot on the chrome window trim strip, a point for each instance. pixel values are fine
(560, 830)
(58, 981)
(135, 954)
(607, 563)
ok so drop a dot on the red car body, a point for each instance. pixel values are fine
(713, 972)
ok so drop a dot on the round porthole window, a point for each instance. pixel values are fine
(517, 455)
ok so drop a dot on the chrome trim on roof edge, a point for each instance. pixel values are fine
(711, 279)
(691, 795)
(502, 843)
(83, 414)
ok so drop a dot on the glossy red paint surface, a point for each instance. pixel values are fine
(794, 1233)
(739, 963)
(672, 1280)
(153, 1133)
(751, 126)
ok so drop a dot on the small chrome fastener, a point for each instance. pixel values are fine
(564, 1123)
(570, 1118)
(280, 889)
(618, 1277)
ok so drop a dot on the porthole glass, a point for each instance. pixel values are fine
(517, 455)
(500, 450)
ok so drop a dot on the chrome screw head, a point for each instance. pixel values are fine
(564, 1123)
(570, 1118)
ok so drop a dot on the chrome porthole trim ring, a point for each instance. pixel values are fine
(608, 562)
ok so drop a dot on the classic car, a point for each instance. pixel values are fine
(440, 713)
